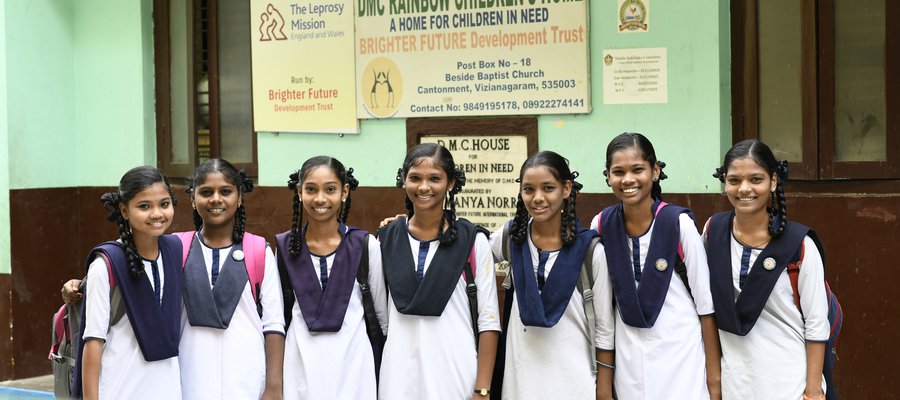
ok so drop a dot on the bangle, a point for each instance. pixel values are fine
(820, 397)
(610, 366)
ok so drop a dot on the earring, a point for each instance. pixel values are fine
(656, 179)
(344, 200)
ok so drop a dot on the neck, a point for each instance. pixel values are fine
(147, 246)
(424, 224)
(638, 216)
(321, 230)
(217, 236)
(546, 235)
(749, 224)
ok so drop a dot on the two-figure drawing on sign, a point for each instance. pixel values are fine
(382, 78)
(271, 25)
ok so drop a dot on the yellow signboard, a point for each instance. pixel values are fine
(302, 66)
(420, 58)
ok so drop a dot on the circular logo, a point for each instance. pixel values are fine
(633, 16)
(769, 263)
(661, 264)
(237, 255)
(381, 87)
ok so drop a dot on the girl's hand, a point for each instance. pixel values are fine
(69, 292)
(480, 397)
(813, 394)
(715, 391)
(388, 220)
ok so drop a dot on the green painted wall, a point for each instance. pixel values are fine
(4, 149)
(689, 133)
(83, 89)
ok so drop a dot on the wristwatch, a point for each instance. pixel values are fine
(483, 392)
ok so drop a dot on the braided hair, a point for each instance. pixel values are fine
(237, 178)
(634, 140)
(444, 160)
(344, 175)
(133, 182)
(763, 156)
(559, 167)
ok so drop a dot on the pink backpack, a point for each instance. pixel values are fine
(255, 260)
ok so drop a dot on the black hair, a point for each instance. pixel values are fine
(345, 176)
(559, 167)
(634, 140)
(763, 156)
(237, 178)
(134, 181)
(444, 160)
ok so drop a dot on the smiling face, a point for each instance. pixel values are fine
(748, 186)
(631, 176)
(216, 200)
(322, 194)
(426, 184)
(543, 194)
(150, 211)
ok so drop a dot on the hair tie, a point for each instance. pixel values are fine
(782, 169)
(720, 173)
(351, 180)
(575, 184)
(460, 180)
(399, 178)
(111, 203)
(293, 180)
(246, 184)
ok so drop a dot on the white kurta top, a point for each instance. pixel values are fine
(668, 360)
(770, 361)
(124, 374)
(557, 362)
(336, 365)
(231, 363)
(435, 358)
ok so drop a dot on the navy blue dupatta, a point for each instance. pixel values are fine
(738, 316)
(544, 308)
(639, 305)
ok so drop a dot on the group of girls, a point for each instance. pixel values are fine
(583, 317)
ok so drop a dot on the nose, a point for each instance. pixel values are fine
(744, 187)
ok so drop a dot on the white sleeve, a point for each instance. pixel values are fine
(605, 323)
(813, 301)
(486, 282)
(696, 264)
(270, 297)
(595, 226)
(96, 323)
(377, 283)
(497, 243)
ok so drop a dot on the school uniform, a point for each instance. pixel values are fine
(226, 358)
(336, 361)
(667, 359)
(769, 361)
(556, 361)
(434, 356)
(124, 372)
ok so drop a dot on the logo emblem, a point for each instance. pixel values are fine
(608, 60)
(661, 264)
(271, 25)
(633, 16)
(237, 255)
(769, 263)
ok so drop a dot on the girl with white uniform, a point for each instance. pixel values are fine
(337, 324)
(233, 328)
(136, 357)
(663, 349)
(431, 351)
(549, 351)
(770, 348)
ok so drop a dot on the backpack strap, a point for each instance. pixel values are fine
(60, 332)
(116, 303)
(793, 270)
(186, 239)
(472, 291)
(680, 267)
(255, 261)
(585, 285)
(507, 281)
(373, 327)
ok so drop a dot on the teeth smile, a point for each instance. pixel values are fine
(424, 197)
(216, 210)
(746, 198)
(629, 190)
